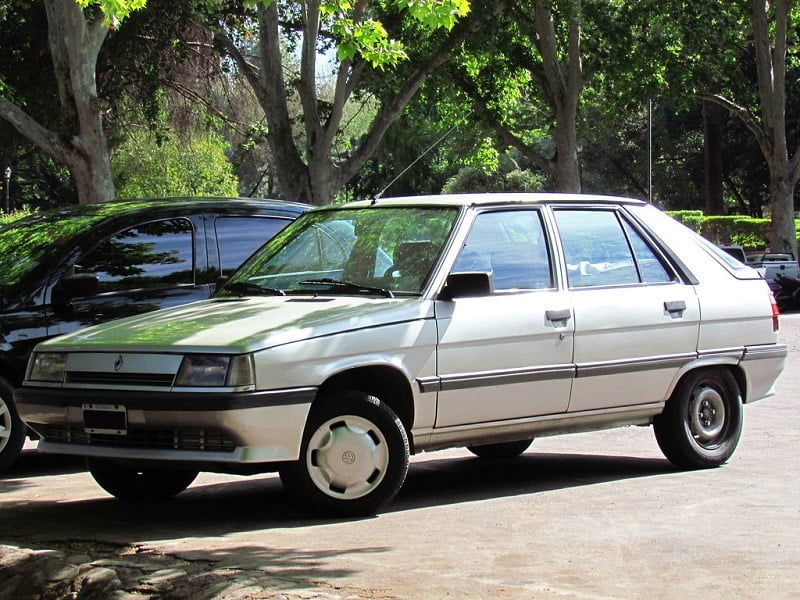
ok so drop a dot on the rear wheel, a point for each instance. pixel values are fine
(130, 483)
(702, 421)
(12, 429)
(354, 456)
(501, 450)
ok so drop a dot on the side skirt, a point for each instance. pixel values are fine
(518, 429)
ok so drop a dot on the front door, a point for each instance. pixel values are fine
(508, 355)
(143, 268)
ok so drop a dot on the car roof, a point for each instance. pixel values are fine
(493, 198)
(117, 208)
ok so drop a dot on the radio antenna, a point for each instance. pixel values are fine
(416, 160)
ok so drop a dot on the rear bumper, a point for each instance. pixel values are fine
(762, 366)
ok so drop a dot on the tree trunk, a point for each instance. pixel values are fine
(563, 86)
(771, 68)
(782, 232)
(80, 144)
(712, 158)
(308, 173)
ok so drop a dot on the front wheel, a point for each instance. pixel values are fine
(130, 483)
(12, 429)
(354, 456)
(702, 421)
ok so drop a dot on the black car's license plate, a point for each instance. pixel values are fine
(105, 418)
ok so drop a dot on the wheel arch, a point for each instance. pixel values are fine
(730, 365)
(383, 381)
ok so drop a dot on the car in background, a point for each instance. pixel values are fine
(64, 269)
(367, 332)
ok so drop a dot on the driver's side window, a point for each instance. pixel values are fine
(511, 246)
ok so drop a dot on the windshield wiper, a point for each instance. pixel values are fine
(349, 286)
(244, 288)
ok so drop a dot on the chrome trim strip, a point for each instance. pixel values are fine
(770, 351)
(732, 353)
(628, 366)
(462, 381)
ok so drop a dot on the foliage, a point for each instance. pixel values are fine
(115, 11)
(507, 177)
(145, 166)
(751, 233)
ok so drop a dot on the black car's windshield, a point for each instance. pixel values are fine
(377, 250)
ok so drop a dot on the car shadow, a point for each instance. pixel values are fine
(32, 464)
(258, 503)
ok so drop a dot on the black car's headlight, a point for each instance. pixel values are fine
(48, 366)
(213, 370)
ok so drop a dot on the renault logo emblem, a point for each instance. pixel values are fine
(118, 363)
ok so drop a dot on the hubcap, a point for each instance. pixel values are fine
(5, 424)
(707, 415)
(347, 457)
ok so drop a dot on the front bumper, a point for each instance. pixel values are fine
(209, 427)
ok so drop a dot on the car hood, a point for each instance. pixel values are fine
(242, 324)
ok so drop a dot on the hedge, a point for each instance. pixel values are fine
(748, 232)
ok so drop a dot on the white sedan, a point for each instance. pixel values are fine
(368, 332)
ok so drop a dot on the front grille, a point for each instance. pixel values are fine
(134, 379)
(203, 440)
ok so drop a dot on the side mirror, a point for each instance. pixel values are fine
(76, 286)
(467, 285)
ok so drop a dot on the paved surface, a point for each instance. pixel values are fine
(598, 515)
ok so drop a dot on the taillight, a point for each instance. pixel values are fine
(775, 312)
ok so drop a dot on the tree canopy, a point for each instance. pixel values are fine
(689, 104)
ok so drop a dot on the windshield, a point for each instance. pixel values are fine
(378, 250)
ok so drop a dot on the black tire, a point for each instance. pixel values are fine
(501, 449)
(129, 483)
(702, 421)
(12, 430)
(353, 459)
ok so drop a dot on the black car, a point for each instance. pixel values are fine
(70, 268)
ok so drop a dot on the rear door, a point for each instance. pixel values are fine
(507, 355)
(636, 321)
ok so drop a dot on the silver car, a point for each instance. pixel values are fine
(368, 332)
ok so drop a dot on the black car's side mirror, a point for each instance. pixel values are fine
(467, 285)
(76, 286)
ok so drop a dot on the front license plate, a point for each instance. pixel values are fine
(105, 418)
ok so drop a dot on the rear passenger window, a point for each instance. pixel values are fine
(511, 246)
(601, 250)
(239, 237)
(152, 255)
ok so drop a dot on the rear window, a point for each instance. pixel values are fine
(736, 267)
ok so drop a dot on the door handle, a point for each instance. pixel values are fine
(558, 315)
(675, 306)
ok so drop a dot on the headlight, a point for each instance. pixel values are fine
(204, 370)
(48, 366)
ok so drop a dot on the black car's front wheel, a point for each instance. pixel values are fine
(702, 421)
(12, 429)
(501, 449)
(131, 483)
(354, 456)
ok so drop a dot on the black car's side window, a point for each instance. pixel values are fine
(152, 255)
(239, 237)
(601, 250)
(511, 246)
